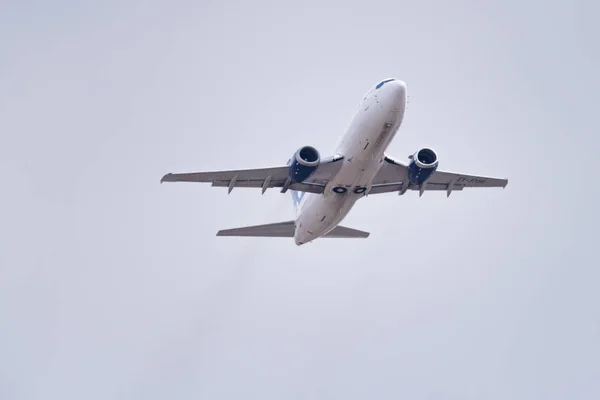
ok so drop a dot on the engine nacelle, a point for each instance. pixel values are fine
(423, 163)
(304, 163)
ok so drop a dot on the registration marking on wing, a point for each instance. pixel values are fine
(471, 180)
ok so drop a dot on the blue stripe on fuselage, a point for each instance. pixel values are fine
(297, 197)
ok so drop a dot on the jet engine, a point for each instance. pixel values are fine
(423, 163)
(304, 163)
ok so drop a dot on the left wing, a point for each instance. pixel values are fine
(393, 177)
(263, 178)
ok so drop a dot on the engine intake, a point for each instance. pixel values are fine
(304, 163)
(423, 163)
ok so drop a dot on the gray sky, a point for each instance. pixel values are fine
(113, 286)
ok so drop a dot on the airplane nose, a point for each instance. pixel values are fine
(399, 88)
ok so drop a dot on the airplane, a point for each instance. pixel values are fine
(324, 190)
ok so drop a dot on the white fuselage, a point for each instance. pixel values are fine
(368, 135)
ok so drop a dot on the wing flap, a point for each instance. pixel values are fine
(249, 183)
(302, 187)
(397, 187)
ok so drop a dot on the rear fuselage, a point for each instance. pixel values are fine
(363, 145)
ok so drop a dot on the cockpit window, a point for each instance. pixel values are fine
(383, 82)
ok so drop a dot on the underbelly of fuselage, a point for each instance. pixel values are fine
(324, 212)
(363, 147)
(362, 160)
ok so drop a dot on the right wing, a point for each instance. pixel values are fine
(393, 177)
(263, 178)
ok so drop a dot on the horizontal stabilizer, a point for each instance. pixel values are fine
(278, 229)
(343, 232)
(286, 229)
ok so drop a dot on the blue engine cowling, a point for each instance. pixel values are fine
(304, 163)
(423, 163)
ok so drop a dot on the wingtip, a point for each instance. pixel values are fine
(165, 177)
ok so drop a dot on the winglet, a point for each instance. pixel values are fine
(166, 177)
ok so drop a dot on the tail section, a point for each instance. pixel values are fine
(278, 229)
(346, 233)
(286, 229)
